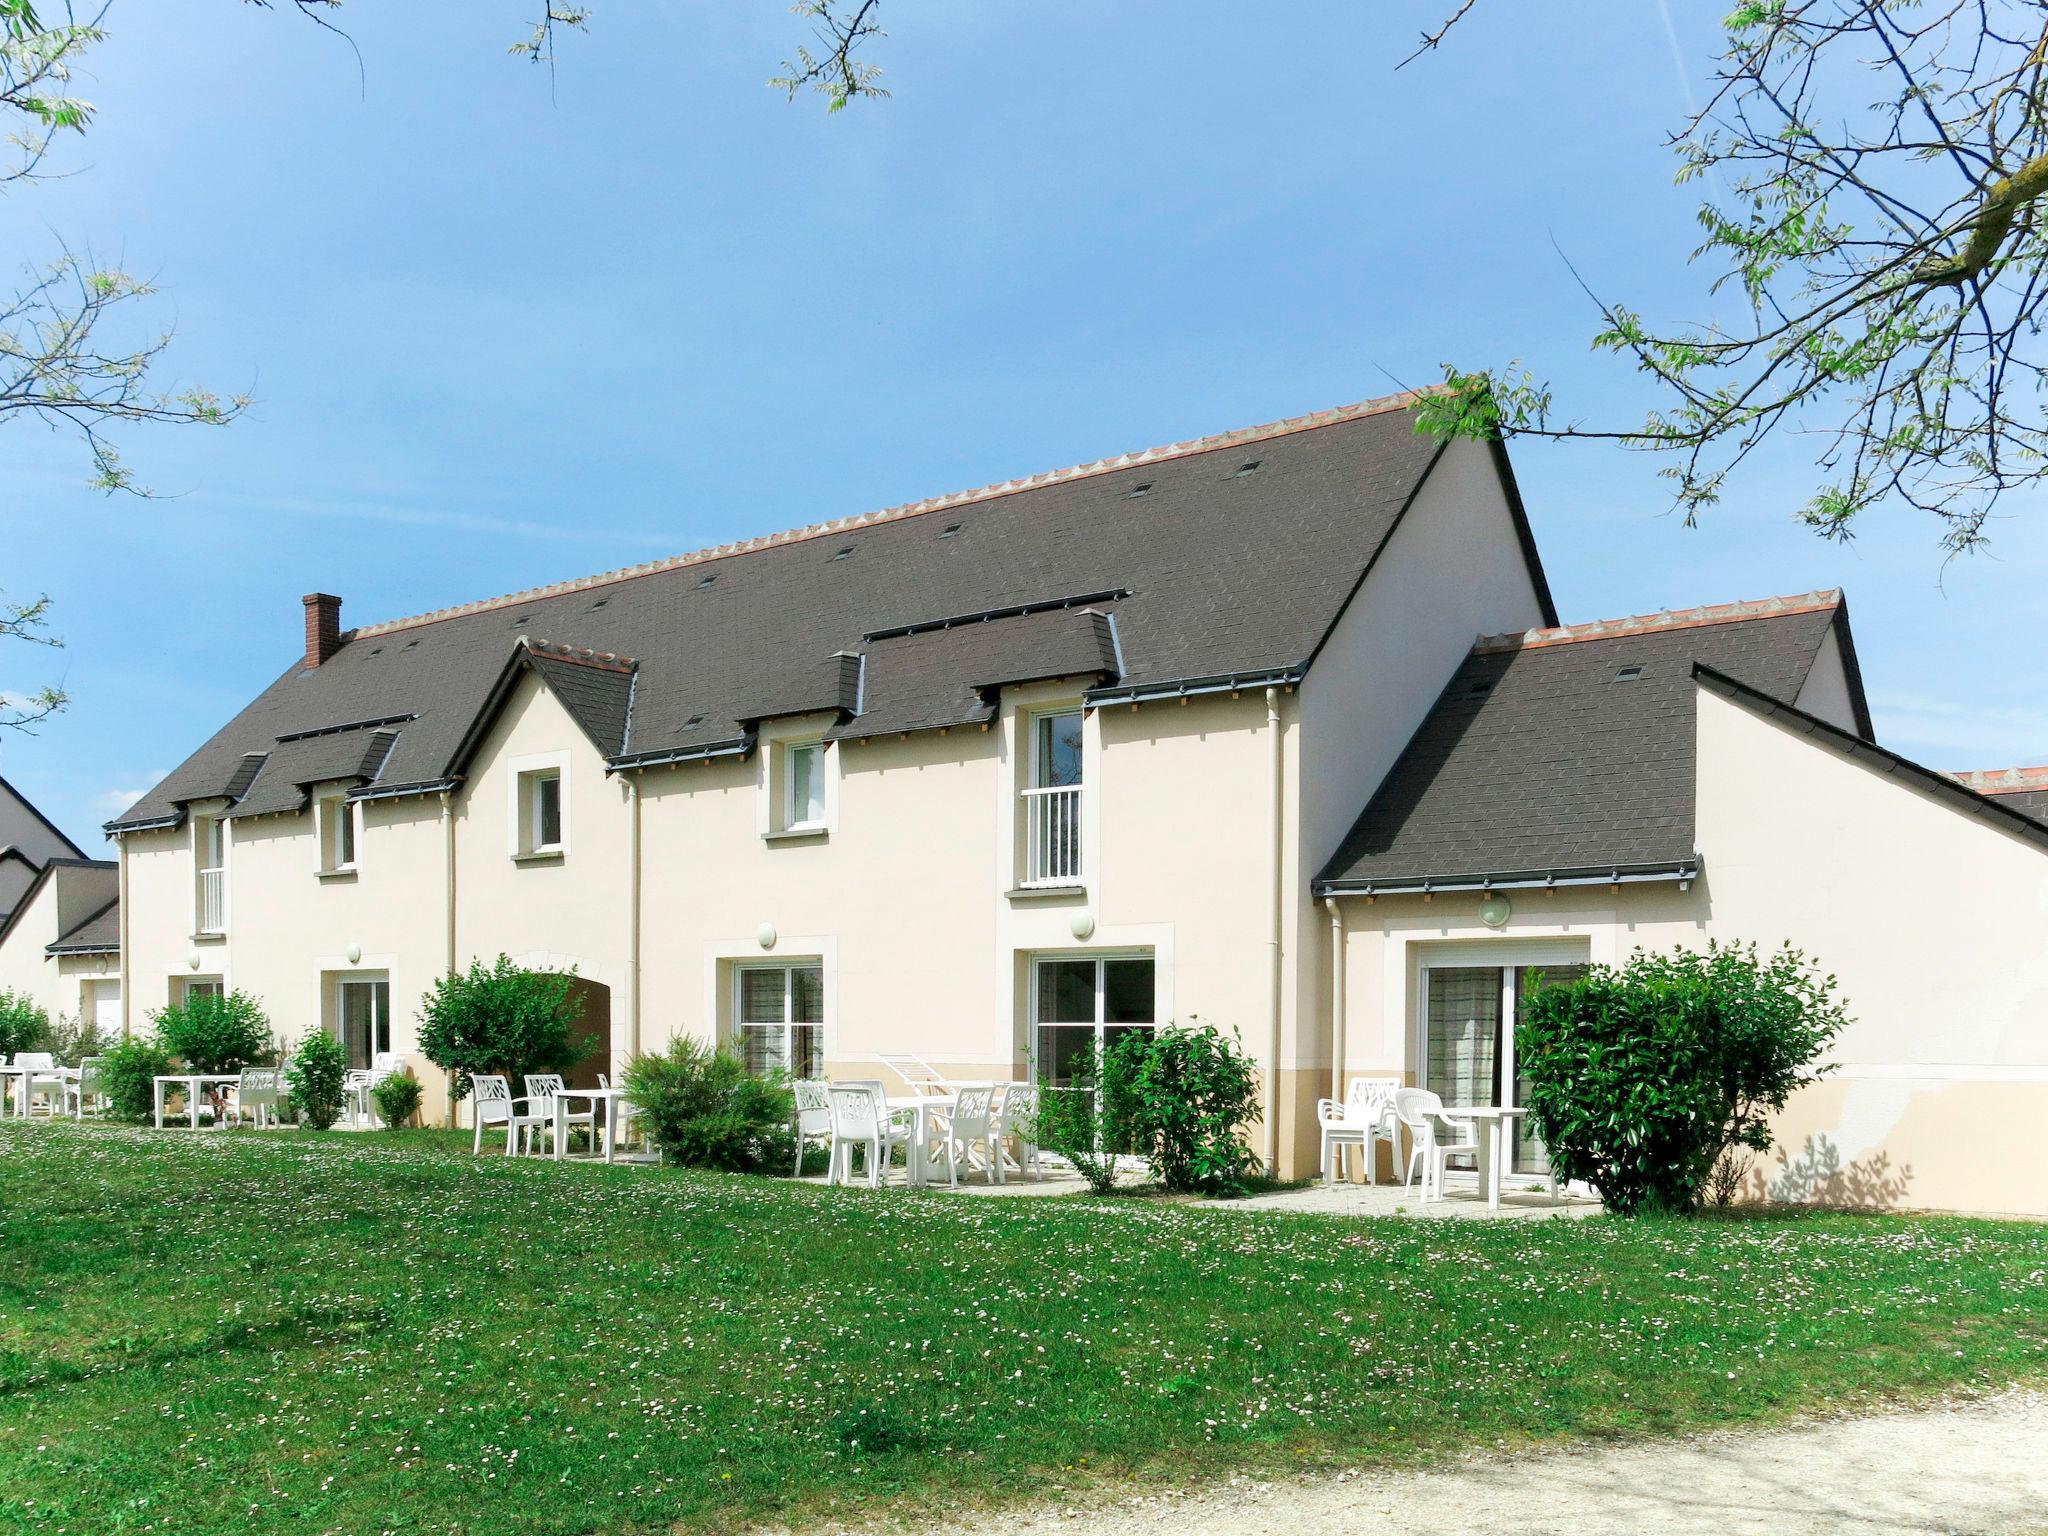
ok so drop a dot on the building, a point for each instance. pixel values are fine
(1205, 731)
(58, 918)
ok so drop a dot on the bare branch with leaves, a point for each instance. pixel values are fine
(836, 69)
(29, 621)
(1881, 242)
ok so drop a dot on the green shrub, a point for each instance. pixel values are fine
(315, 1076)
(128, 1074)
(500, 1019)
(1184, 1095)
(1640, 1077)
(705, 1110)
(1086, 1120)
(398, 1099)
(72, 1040)
(212, 1032)
(24, 1026)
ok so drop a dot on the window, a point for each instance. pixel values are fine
(540, 811)
(337, 829)
(803, 803)
(1086, 1001)
(363, 1019)
(201, 986)
(780, 1019)
(1052, 803)
(1469, 1016)
(210, 851)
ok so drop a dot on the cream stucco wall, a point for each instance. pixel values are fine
(1934, 921)
(62, 984)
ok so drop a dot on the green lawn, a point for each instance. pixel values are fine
(291, 1332)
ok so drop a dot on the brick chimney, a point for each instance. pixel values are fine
(323, 626)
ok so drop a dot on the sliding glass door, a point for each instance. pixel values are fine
(1468, 1039)
(1083, 1001)
(365, 1017)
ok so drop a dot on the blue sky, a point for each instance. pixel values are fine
(497, 339)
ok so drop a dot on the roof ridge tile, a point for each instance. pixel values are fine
(2003, 781)
(1668, 619)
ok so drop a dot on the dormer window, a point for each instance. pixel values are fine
(335, 817)
(540, 808)
(804, 804)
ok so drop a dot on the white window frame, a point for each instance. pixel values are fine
(793, 819)
(204, 825)
(370, 980)
(788, 968)
(523, 805)
(325, 808)
(1101, 1024)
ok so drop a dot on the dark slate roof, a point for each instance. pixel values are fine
(99, 934)
(285, 775)
(1542, 760)
(2021, 789)
(1229, 569)
(2030, 802)
(597, 694)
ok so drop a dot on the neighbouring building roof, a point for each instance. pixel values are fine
(1221, 558)
(2022, 789)
(1570, 753)
(95, 883)
(29, 832)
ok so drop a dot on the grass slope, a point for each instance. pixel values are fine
(250, 1332)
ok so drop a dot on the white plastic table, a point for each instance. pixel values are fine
(194, 1083)
(611, 1098)
(919, 1107)
(1492, 1122)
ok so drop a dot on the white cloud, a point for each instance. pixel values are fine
(115, 801)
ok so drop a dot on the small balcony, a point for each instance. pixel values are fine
(213, 901)
(1052, 836)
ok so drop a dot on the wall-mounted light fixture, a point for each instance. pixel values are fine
(354, 953)
(1494, 910)
(765, 935)
(1083, 925)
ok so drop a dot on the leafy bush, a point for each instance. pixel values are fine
(398, 1099)
(215, 1032)
(128, 1074)
(72, 1040)
(316, 1076)
(24, 1025)
(501, 1019)
(1641, 1077)
(1085, 1121)
(705, 1110)
(1184, 1094)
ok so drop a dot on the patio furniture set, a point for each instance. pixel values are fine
(1380, 1109)
(938, 1125)
(547, 1112)
(36, 1077)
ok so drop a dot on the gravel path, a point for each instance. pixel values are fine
(1979, 1468)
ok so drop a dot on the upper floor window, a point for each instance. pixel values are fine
(1052, 801)
(337, 829)
(210, 851)
(540, 811)
(803, 807)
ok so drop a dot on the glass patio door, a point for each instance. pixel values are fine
(1468, 1040)
(365, 1019)
(1082, 1001)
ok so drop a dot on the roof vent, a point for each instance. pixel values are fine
(519, 620)
(952, 530)
(411, 645)
(599, 604)
(1479, 690)
(693, 720)
(705, 581)
(1142, 488)
(1628, 674)
(841, 554)
(1248, 467)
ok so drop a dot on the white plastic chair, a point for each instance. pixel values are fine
(491, 1103)
(256, 1096)
(1016, 1119)
(970, 1123)
(813, 1116)
(919, 1075)
(82, 1082)
(1363, 1120)
(860, 1119)
(541, 1088)
(1436, 1136)
(44, 1077)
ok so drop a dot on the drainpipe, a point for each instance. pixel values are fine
(121, 843)
(1336, 911)
(633, 922)
(448, 897)
(1273, 936)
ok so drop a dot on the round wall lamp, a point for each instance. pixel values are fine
(192, 959)
(1083, 925)
(1494, 910)
(765, 935)
(354, 953)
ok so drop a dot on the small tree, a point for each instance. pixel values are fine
(211, 1032)
(705, 1110)
(316, 1076)
(73, 1040)
(1188, 1091)
(128, 1074)
(502, 1019)
(1085, 1120)
(24, 1026)
(398, 1099)
(1641, 1077)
